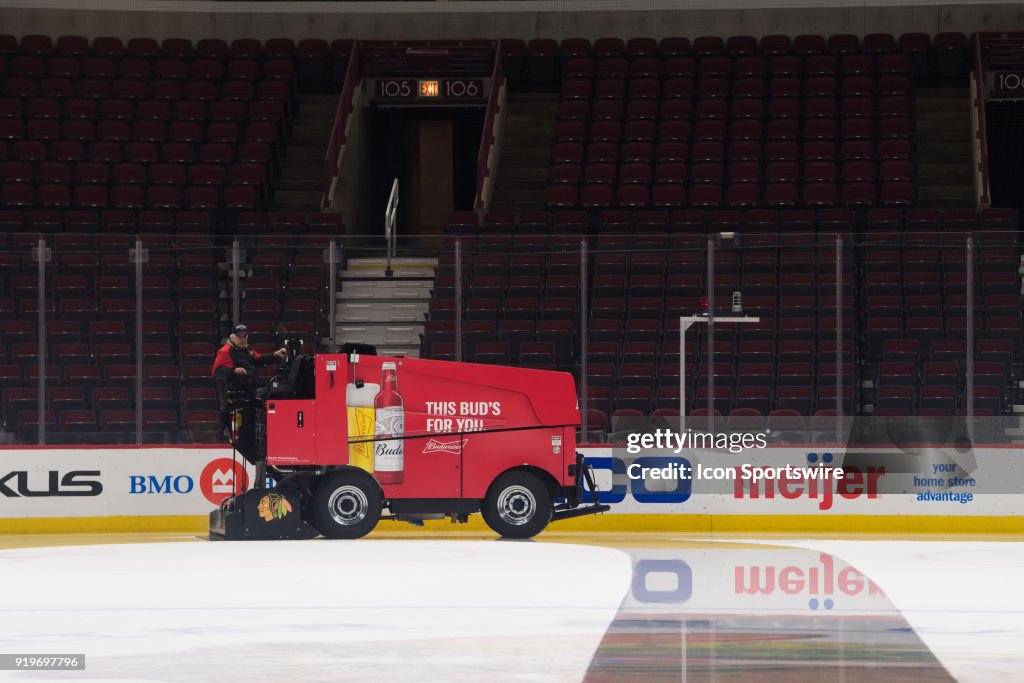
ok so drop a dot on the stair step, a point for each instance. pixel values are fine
(532, 140)
(320, 99)
(379, 294)
(960, 126)
(296, 207)
(527, 165)
(398, 262)
(382, 312)
(506, 198)
(520, 197)
(515, 185)
(516, 207)
(315, 113)
(932, 169)
(942, 91)
(514, 173)
(963, 136)
(537, 98)
(944, 158)
(957, 193)
(300, 185)
(375, 318)
(927, 113)
(943, 203)
(518, 105)
(318, 142)
(944, 105)
(302, 175)
(943, 147)
(539, 154)
(297, 196)
(960, 173)
(378, 274)
(299, 153)
(318, 107)
(381, 334)
(947, 180)
(383, 284)
(301, 165)
(526, 121)
(398, 350)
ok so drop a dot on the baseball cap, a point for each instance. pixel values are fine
(240, 330)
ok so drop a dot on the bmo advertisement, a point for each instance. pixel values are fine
(112, 481)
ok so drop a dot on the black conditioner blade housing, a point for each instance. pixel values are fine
(261, 514)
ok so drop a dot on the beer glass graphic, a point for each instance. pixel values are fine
(361, 423)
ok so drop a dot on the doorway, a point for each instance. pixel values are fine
(432, 152)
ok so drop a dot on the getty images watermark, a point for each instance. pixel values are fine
(665, 440)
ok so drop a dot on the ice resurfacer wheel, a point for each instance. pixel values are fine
(347, 505)
(518, 505)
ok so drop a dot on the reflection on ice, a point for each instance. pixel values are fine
(695, 611)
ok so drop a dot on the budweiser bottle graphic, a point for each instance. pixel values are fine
(389, 429)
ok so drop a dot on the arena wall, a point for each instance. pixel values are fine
(112, 489)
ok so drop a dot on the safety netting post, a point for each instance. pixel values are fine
(41, 255)
(969, 351)
(332, 256)
(584, 321)
(458, 301)
(138, 256)
(236, 267)
(839, 338)
(711, 336)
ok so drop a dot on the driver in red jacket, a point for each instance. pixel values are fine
(236, 365)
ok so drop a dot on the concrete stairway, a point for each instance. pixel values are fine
(300, 187)
(387, 312)
(525, 152)
(943, 135)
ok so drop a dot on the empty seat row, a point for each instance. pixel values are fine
(737, 46)
(915, 225)
(747, 66)
(80, 113)
(539, 63)
(714, 130)
(19, 231)
(783, 150)
(680, 88)
(857, 195)
(129, 197)
(174, 48)
(190, 132)
(143, 69)
(259, 147)
(165, 90)
(856, 170)
(892, 101)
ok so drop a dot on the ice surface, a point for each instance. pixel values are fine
(313, 610)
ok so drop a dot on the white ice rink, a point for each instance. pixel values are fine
(424, 610)
(307, 611)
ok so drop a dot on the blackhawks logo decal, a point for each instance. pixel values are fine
(273, 506)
